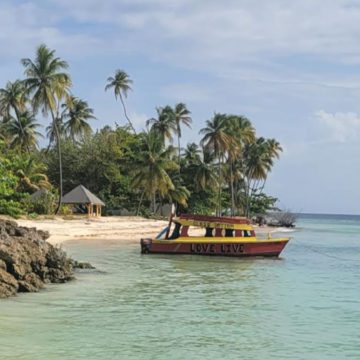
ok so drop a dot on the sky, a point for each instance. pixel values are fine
(291, 67)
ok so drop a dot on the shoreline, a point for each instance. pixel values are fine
(122, 229)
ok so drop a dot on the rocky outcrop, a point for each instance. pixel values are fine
(28, 261)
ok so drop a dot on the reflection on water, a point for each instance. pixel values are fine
(305, 305)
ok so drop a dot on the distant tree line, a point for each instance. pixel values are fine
(225, 173)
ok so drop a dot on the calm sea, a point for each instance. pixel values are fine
(305, 305)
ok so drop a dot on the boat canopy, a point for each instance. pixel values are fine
(215, 222)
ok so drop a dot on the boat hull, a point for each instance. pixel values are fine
(237, 249)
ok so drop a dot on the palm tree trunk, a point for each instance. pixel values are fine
(232, 190)
(248, 197)
(126, 115)
(141, 199)
(154, 203)
(220, 182)
(58, 143)
(179, 150)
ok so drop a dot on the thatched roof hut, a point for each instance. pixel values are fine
(82, 196)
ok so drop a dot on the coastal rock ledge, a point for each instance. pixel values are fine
(28, 261)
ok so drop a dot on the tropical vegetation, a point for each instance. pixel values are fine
(133, 170)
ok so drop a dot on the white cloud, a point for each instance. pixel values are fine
(23, 26)
(235, 39)
(233, 29)
(341, 127)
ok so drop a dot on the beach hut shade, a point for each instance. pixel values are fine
(81, 195)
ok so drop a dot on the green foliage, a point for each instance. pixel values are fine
(261, 203)
(9, 198)
(152, 167)
(102, 163)
(20, 175)
(65, 210)
(41, 205)
(202, 202)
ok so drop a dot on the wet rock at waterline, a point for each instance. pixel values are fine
(28, 261)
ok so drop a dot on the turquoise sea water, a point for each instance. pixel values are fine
(305, 305)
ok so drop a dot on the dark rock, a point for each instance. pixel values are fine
(2, 265)
(82, 265)
(8, 284)
(27, 261)
(30, 283)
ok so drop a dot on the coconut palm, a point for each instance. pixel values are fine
(121, 83)
(152, 167)
(48, 84)
(204, 174)
(76, 115)
(242, 133)
(274, 148)
(217, 139)
(164, 124)
(13, 97)
(178, 195)
(181, 116)
(31, 174)
(192, 153)
(258, 161)
(23, 132)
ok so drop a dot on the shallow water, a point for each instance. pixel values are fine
(303, 306)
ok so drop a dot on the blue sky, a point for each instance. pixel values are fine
(292, 67)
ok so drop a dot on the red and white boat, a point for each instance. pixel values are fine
(212, 235)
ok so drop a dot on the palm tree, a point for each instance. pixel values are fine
(164, 124)
(22, 132)
(178, 195)
(13, 97)
(217, 139)
(31, 174)
(274, 148)
(121, 83)
(76, 114)
(204, 174)
(242, 133)
(192, 153)
(182, 116)
(258, 161)
(152, 167)
(49, 85)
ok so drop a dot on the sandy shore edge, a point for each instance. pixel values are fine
(122, 229)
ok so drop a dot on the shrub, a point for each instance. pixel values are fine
(283, 218)
(42, 205)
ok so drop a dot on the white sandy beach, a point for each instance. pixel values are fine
(122, 228)
(125, 229)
